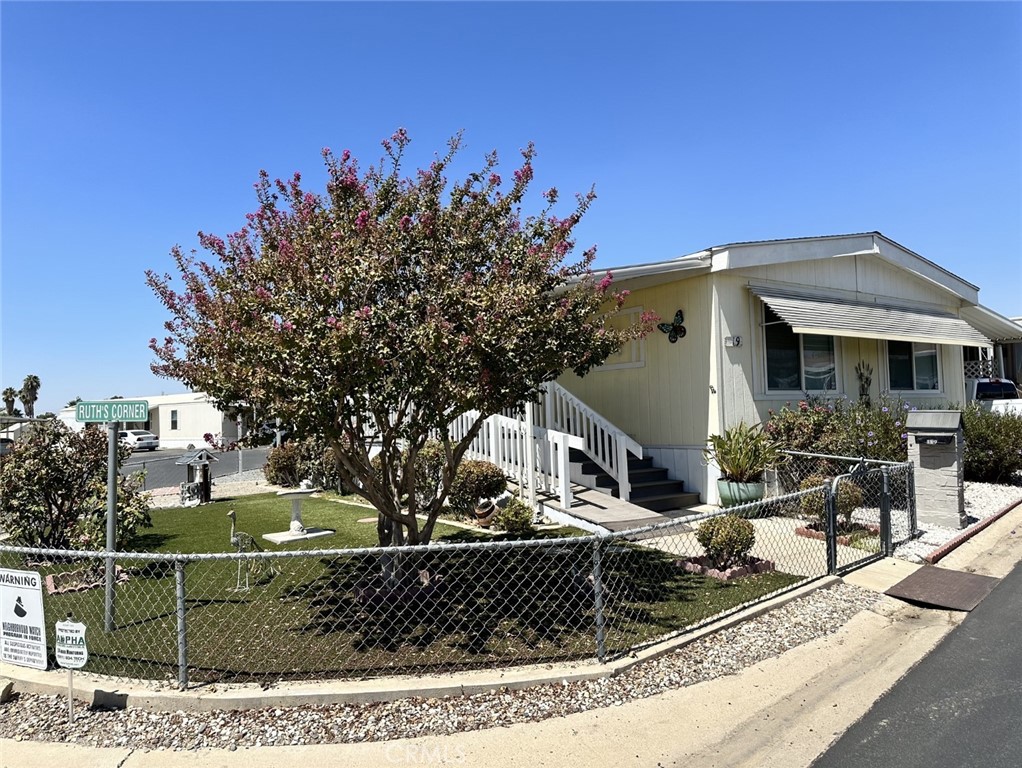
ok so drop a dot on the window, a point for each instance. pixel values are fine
(173, 419)
(912, 366)
(632, 353)
(796, 361)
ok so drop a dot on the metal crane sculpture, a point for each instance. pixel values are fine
(244, 542)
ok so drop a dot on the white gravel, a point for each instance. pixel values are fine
(44, 718)
(981, 501)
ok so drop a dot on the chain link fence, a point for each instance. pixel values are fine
(868, 475)
(324, 614)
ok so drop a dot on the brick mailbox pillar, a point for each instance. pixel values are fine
(937, 450)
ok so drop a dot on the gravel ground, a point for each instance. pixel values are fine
(981, 501)
(44, 718)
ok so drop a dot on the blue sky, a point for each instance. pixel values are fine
(128, 127)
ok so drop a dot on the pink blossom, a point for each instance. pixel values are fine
(331, 321)
(604, 284)
(495, 179)
(362, 220)
(286, 325)
(406, 223)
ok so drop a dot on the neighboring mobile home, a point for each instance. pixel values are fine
(765, 322)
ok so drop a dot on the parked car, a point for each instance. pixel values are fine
(138, 439)
(993, 389)
(6, 445)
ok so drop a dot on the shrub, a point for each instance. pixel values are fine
(727, 540)
(743, 453)
(993, 445)
(297, 460)
(849, 498)
(802, 428)
(515, 517)
(53, 490)
(283, 465)
(473, 481)
(872, 431)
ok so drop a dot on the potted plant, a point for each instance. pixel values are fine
(742, 454)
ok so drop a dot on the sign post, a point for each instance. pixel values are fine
(72, 653)
(23, 627)
(112, 412)
(111, 523)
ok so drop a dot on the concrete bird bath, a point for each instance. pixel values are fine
(296, 530)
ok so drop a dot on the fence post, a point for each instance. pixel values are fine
(182, 627)
(886, 544)
(911, 487)
(601, 626)
(830, 506)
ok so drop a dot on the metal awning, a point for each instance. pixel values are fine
(832, 316)
(992, 325)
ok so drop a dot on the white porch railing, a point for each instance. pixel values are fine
(539, 463)
(605, 443)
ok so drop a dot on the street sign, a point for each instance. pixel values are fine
(72, 653)
(22, 628)
(112, 410)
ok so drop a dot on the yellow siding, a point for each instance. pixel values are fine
(682, 392)
(663, 402)
(863, 274)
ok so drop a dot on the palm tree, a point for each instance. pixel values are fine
(10, 394)
(73, 403)
(30, 393)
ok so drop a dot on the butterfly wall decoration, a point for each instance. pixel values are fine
(674, 330)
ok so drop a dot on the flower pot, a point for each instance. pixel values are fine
(732, 493)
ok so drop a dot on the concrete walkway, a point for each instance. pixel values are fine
(783, 712)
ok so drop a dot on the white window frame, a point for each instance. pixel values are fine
(633, 351)
(918, 392)
(174, 420)
(775, 394)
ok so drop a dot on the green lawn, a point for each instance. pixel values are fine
(322, 616)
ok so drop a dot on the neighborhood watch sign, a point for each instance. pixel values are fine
(22, 626)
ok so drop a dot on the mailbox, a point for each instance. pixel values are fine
(936, 448)
(197, 488)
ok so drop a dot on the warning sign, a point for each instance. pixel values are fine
(22, 626)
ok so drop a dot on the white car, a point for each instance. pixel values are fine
(138, 439)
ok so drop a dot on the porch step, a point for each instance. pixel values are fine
(667, 501)
(651, 487)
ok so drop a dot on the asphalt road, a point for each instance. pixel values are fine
(961, 706)
(162, 472)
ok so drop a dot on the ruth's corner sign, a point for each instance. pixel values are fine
(70, 648)
(111, 410)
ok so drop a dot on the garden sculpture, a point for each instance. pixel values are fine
(244, 542)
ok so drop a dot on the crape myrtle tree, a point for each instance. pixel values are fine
(384, 308)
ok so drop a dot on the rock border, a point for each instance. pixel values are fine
(703, 566)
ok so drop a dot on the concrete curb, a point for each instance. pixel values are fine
(100, 692)
(967, 534)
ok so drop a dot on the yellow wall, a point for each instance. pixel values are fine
(664, 401)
